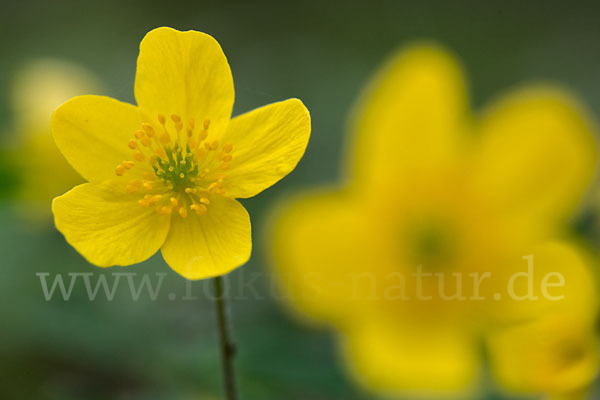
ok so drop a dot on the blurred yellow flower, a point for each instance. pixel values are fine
(43, 172)
(165, 174)
(411, 260)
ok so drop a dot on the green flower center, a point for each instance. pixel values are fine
(179, 170)
(188, 169)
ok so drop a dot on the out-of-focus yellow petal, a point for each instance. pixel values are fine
(107, 225)
(92, 133)
(560, 267)
(45, 174)
(390, 356)
(554, 351)
(557, 354)
(38, 88)
(537, 154)
(184, 73)
(41, 86)
(213, 244)
(325, 255)
(268, 143)
(412, 116)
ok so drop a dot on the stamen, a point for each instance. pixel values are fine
(131, 188)
(128, 164)
(183, 212)
(148, 129)
(165, 138)
(155, 199)
(190, 128)
(200, 209)
(183, 171)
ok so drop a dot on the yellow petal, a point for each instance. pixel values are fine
(557, 355)
(555, 278)
(537, 155)
(107, 225)
(324, 253)
(267, 144)
(184, 73)
(213, 244)
(412, 116)
(92, 133)
(390, 357)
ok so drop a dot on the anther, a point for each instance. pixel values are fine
(190, 190)
(165, 138)
(155, 199)
(206, 124)
(138, 155)
(131, 188)
(161, 119)
(139, 134)
(201, 152)
(183, 212)
(148, 129)
(204, 200)
(227, 147)
(132, 144)
(198, 208)
(120, 170)
(164, 210)
(174, 201)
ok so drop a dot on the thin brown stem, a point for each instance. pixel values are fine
(227, 346)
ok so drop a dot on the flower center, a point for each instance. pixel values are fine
(188, 168)
(432, 244)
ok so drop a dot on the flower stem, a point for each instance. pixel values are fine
(227, 346)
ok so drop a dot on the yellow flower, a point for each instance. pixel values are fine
(43, 172)
(165, 174)
(436, 198)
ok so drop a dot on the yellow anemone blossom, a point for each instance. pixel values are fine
(40, 87)
(412, 262)
(165, 174)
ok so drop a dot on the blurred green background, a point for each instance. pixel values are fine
(321, 52)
